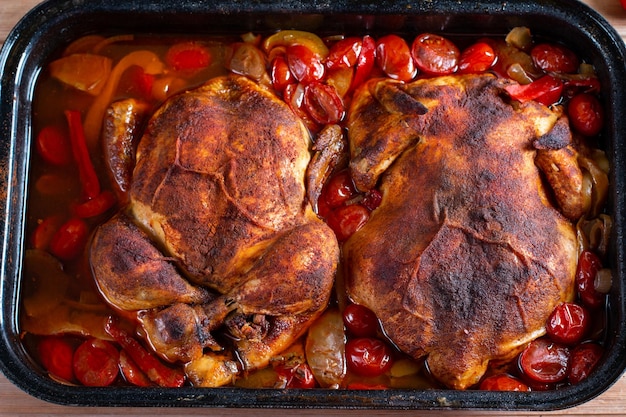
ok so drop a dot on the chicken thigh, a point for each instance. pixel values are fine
(468, 252)
(219, 253)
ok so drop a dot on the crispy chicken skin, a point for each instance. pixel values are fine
(218, 234)
(467, 255)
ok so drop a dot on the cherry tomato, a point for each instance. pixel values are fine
(369, 357)
(588, 266)
(281, 76)
(136, 82)
(435, 55)
(56, 355)
(323, 103)
(54, 146)
(96, 206)
(346, 220)
(131, 371)
(545, 361)
(372, 199)
(186, 56)
(365, 62)
(70, 239)
(344, 54)
(304, 64)
(554, 58)
(95, 363)
(293, 95)
(393, 56)
(545, 90)
(477, 58)
(360, 321)
(339, 189)
(42, 236)
(298, 376)
(503, 382)
(568, 323)
(586, 114)
(583, 361)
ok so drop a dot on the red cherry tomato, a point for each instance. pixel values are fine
(393, 56)
(369, 357)
(477, 58)
(503, 382)
(186, 56)
(554, 58)
(281, 76)
(568, 323)
(137, 83)
(344, 54)
(372, 199)
(435, 55)
(545, 90)
(95, 363)
(304, 64)
(56, 355)
(323, 103)
(131, 371)
(588, 266)
(42, 236)
(545, 361)
(583, 360)
(346, 220)
(338, 189)
(365, 62)
(54, 145)
(360, 321)
(96, 206)
(70, 239)
(586, 114)
(298, 376)
(293, 95)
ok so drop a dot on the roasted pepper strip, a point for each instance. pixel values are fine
(86, 171)
(156, 371)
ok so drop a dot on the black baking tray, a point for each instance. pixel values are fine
(53, 24)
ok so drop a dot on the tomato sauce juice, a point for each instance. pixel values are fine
(64, 320)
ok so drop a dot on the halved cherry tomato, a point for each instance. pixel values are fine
(323, 103)
(360, 321)
(136, 82)
(434, 54)
(280, 74)
(344, 54)
(131, 371)
(369, 357)
(583, 360)
(96, 206)
(297, 376)
(70, 239)
(545, 361)
(588, 266)
(503, 382)
(45, 230)
(568, 323)
(545, 90)
(365, 62)
(339, 189)
(393, 56)
(54, 145)
(95, 363)
(477, 58)
(293, 95)
(346, 220)
(186, 56)
(586, 114)
(56, 355)
(305, 65)
(554, 58)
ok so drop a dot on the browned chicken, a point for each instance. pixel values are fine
(467, 254)
(219, 245)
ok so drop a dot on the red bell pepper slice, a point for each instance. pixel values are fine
(545, 90)
(86, 171)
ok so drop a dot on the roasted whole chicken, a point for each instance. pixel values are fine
(473, 244)
(218, 252)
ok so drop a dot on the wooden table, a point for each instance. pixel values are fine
(15, 402)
